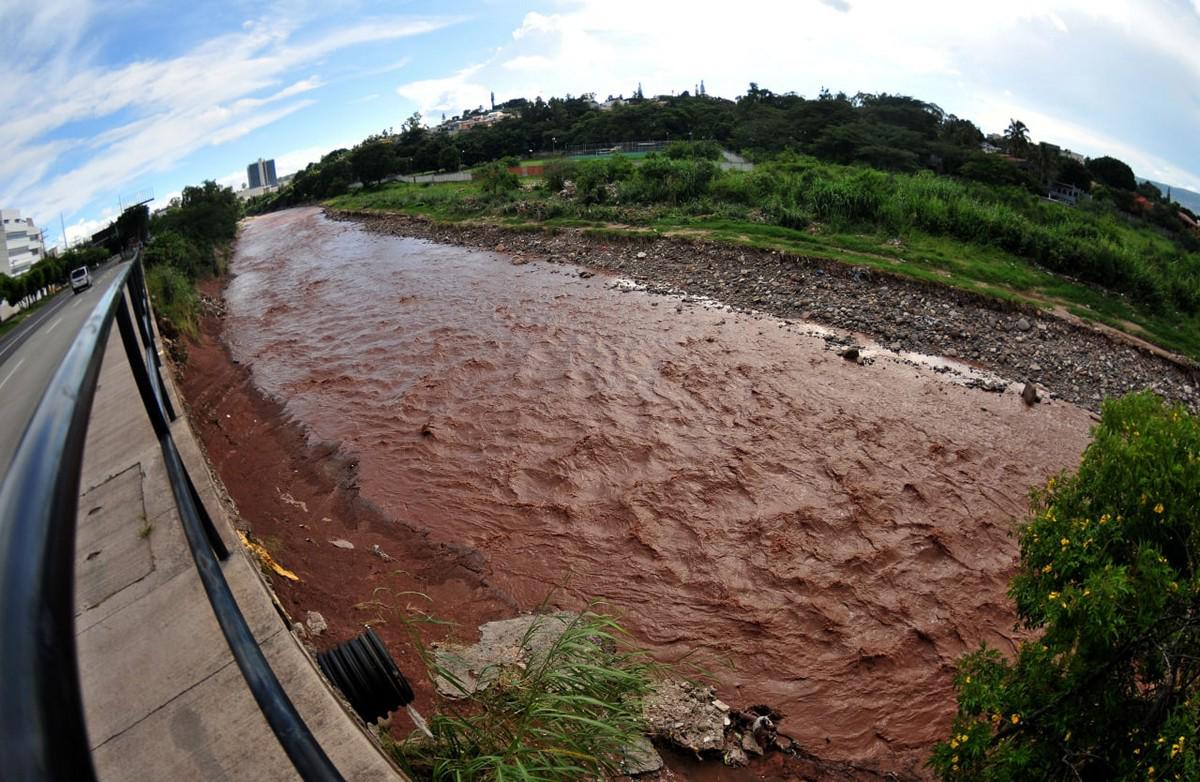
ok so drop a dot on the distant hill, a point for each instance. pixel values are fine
(1179, 195)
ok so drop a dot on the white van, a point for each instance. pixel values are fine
(81, 279)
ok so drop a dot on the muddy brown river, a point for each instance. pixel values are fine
(823, 536)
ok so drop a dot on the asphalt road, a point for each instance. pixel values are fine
(26, 365)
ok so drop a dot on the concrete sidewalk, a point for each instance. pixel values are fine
(163, 696)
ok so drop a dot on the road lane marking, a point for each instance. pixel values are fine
(52, 325)
(20, 361)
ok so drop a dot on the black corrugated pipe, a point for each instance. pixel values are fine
(364, 671)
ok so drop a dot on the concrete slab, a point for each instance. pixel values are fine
(202, 733)
(163, 697)
(112, 547)
(166, 642)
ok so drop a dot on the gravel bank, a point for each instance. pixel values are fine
(1073, 361)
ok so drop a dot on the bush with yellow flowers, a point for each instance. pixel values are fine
(1108, 687)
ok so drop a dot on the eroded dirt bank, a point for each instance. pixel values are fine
(826, 536)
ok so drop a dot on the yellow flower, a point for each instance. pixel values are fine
(964, 738)
(1065, 542)
(1048, 568)
(953, 743)
(1016, 719)
(1158, 508)
(1052, 596)
(968, 679)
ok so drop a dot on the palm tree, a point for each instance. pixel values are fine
(1017, 136)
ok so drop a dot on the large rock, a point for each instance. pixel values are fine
(640, 757)
(507, 643)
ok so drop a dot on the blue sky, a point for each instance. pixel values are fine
(106, 100)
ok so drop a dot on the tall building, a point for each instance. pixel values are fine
(23, 243)
(261, 173)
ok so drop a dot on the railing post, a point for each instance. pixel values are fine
(139, 296)
(152, 396)
(298, 743)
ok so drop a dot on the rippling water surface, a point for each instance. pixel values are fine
(827, 536)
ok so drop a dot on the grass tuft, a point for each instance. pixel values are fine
(569, 713)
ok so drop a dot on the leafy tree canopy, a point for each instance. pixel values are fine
(1112, 172)
(1109, 581)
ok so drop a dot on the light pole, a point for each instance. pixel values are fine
(553, 145)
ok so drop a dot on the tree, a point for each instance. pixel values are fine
(1017, 137)
(175, 250)
(495, 178)
(1150, 191)
(134, 224)
(1107, 686)
(450, 159)
(994, 170)
(371, 161)
(1072, 172)
(1112, 172)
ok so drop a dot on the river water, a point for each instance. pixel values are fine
(823, 536)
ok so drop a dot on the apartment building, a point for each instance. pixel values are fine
(23, 243)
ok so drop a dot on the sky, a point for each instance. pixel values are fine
(106, 103)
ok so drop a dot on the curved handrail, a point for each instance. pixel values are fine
(43, 735)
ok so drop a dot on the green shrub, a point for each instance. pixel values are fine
(592, 178)
(693, 150)
(662, 180)
(171, 249)
(495, 178)
(1109, 579)
(566, 716)
(556, 173)
(176, 304)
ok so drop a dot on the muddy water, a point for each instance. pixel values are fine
(826, 537)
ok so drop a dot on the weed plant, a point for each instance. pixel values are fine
(567, 714)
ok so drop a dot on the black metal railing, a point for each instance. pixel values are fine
(43, 735)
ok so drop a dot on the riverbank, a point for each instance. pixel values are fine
(1078, 362)
(824, 535)
(296, 496)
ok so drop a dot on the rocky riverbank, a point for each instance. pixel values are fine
(1071, 359)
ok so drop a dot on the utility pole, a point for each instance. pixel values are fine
(62, 223)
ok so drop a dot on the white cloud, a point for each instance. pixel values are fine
(529, 62)
(166, 109)
(450, 94)
(933, 49)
